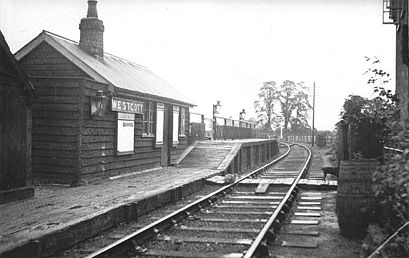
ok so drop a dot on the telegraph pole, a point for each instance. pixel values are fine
(313, 114)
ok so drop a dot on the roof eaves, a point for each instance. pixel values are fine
(153, 97)
(21, 74)
(46, 36)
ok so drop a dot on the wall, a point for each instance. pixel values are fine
(70, 145)
(56, 124)
(402, 71)
(252, 153)
(15, 127)
(98, 141)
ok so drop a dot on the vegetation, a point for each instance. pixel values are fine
(289, 98)
(321, 139)
(391, 180)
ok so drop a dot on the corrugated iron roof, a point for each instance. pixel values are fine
(119, 72)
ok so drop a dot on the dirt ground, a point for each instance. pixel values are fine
(330, 242)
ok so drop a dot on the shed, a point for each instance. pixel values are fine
(16, 94)
(98, 115)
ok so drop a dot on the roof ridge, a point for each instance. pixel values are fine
(54, 34)
(105, 53)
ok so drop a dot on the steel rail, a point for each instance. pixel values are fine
(173, 218)
(254, 248)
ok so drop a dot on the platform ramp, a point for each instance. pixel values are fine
(206, 154)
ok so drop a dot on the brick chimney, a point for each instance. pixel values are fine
(92, 31)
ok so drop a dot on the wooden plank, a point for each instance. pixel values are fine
(57, 99)
(245, 207)
(309, 203)
(262, 188)
(57, 91)
(311, 198)
(55, 106)
(257, 197)
(308, 208)
(237, 212)
(204, 219)
(252, 203)
(55, 138)
(224, 230)
(52, 153)
(53, 169)
(53, 145)
(51, 130)
(51, 114)
(300, 232)
(53, 122)
(61, 161)
(310, 193)
(300, 244)
(169, 253)
(307, 214)
(99, 131)
(232, 241)
(304, 222)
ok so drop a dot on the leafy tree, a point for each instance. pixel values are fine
(289, 98)
(265, 105)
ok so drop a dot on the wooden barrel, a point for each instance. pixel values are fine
(355, 203)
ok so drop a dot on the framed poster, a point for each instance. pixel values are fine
(125, 133)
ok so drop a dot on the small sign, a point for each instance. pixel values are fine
(126, 105)
(125, 137)
(126, 116)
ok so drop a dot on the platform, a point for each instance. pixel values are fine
(59, 216)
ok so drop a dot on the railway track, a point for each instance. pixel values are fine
(234, 221)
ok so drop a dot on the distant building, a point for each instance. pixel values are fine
(98, 115)
(16, 94)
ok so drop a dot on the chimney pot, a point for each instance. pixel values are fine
(92, 9)
(92, 31)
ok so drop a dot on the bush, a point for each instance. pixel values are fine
(321, 140)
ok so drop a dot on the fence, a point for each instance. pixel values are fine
(226, 128)
(307, 139)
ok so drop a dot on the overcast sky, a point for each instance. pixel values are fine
(224, 50)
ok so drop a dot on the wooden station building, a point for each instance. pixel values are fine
(98, 115)
(16, 95)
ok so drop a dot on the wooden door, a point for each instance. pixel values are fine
(167, 136)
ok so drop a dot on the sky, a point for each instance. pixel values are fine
(225, 49)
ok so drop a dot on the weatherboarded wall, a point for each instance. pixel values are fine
(15, 127)
(56, 127)
(70, 145)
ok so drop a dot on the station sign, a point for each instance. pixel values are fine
(126, 105)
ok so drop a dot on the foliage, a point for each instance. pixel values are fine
(288, 97)
(392, 191)
(360, 113)
(321, 139)
(265, 105)
(298, 127)
(391, 180)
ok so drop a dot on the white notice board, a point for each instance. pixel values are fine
(160, 115)
(175, 134)
(125, 134)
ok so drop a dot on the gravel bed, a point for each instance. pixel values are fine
(196, 247)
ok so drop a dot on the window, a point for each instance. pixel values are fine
(175, 134)
(182, 122)
(160, 116)
(148, 118)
